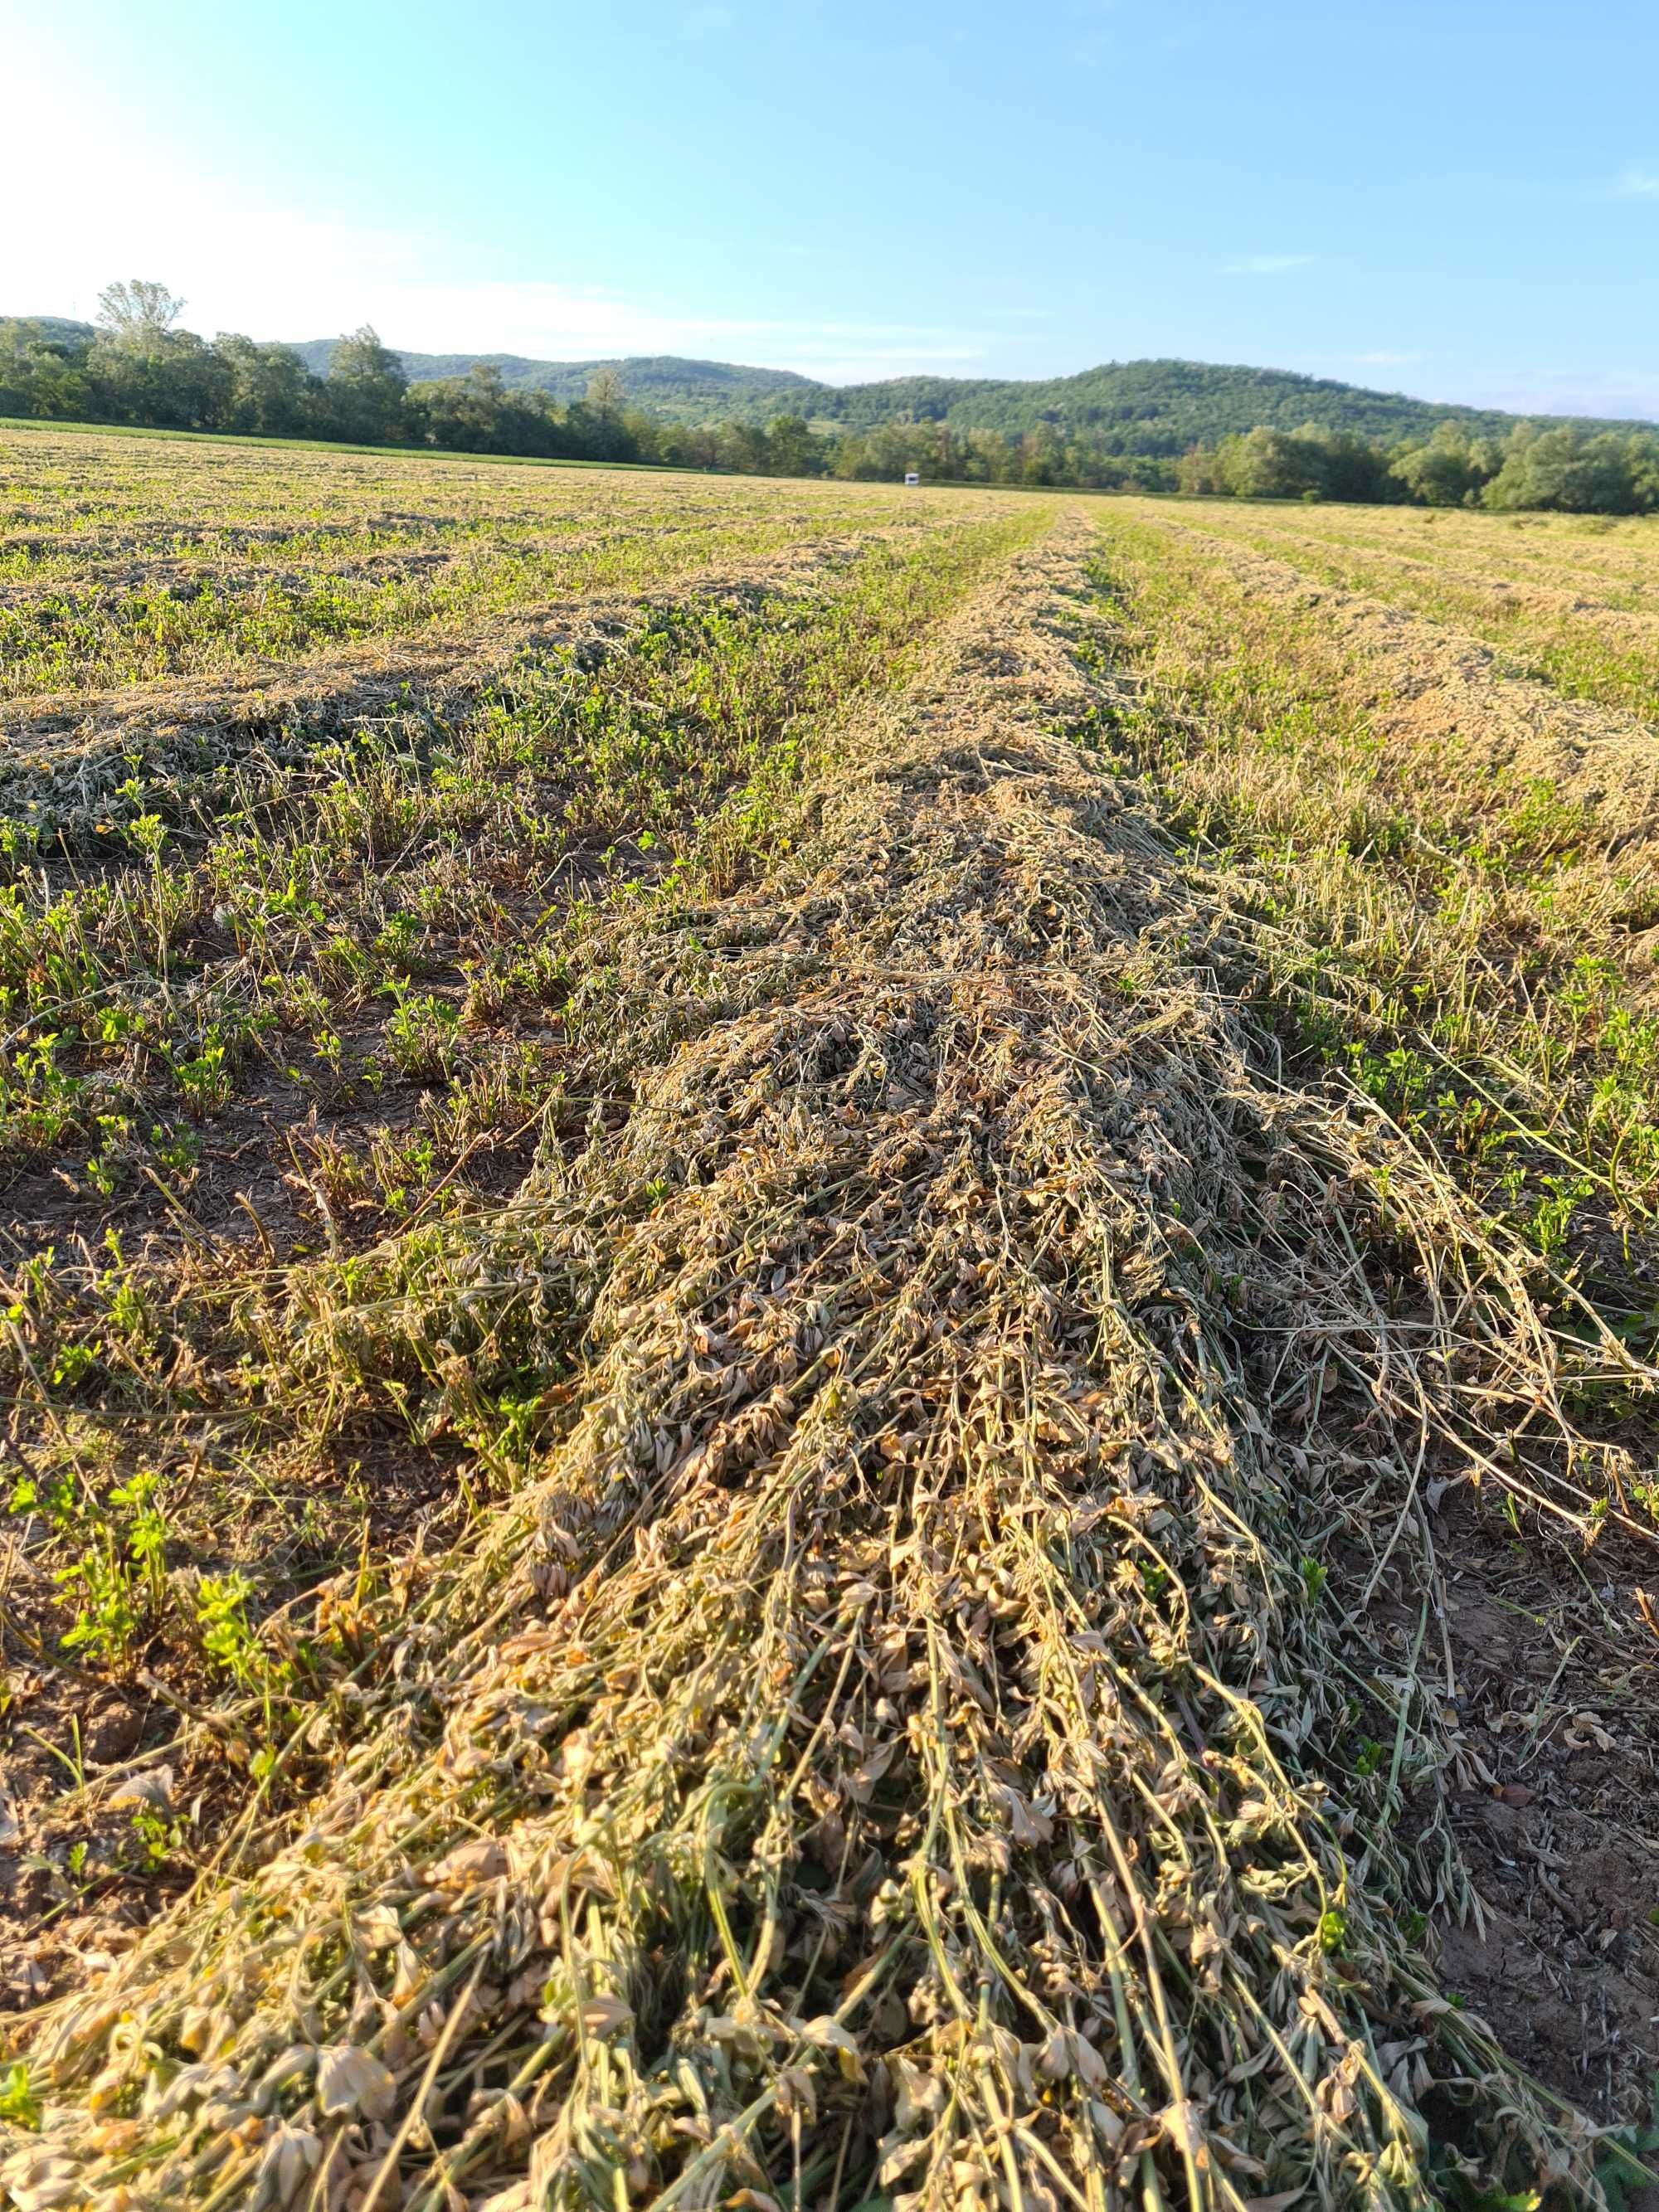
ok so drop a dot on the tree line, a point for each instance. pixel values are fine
(140, 369)
(1565, 467)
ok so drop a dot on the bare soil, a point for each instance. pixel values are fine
(1557, 1708)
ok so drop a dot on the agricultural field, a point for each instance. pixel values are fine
(829, 1345)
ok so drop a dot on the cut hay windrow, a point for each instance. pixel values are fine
(893, 1753)
(287, 556)
(1449, 702)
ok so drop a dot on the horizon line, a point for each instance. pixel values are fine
(861, 384)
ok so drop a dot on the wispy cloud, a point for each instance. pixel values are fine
(1094, 37)
(709, 22)
(1637, 184)
(1383, 358)
(1265, 264)
(1625, 394)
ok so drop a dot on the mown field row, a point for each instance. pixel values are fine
(124, 563)
(306, 982)
(790, 1339)
(1469, 931)
(1573, 602)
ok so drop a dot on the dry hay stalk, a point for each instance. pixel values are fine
(881, 1754)
(1447, 702)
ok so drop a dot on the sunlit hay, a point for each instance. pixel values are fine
(1551, 705)
(138, 559)
(881, 1756)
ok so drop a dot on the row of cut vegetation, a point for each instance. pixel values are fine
(858, 1138)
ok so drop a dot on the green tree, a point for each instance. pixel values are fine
(271, 393)
(743, 448)
(138, 313)
(365, 388)
(1349, 466)
(990, 457)
(1041, 459)
(167, 378)
(792, 450)
(41, 377)
(1565, 469)
(1200, 471)
(143, 370)
(1269, 464)
(1450, 470)
(478, 414)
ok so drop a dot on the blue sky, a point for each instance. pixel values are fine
(1456, 198)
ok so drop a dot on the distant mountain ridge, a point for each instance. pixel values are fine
(662, 384)
(60, 330)
(1136, 408)
(1150, 407)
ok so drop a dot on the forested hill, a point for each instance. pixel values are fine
(1161, 406)
(1143, 406)
(1128, 408)
(662, 384)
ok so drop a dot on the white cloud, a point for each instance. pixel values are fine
(1264, 264)
(709, 22)
(1384, 359)
(1637, 184)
